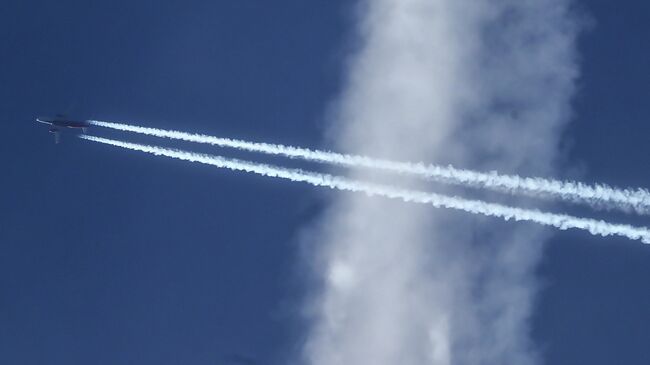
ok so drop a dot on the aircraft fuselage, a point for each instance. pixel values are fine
(63, 123)
(60, 122)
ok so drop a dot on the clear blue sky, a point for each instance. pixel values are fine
(111, 257)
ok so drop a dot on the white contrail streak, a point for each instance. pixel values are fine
(596, 195)
(559, 221)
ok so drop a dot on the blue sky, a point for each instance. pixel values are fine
(113, 257)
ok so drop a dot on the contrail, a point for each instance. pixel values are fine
(598, 195)
(560, 221)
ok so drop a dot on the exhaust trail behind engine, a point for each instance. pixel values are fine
(598, 195)
(560, 221)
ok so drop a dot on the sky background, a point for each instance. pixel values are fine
(109, 256)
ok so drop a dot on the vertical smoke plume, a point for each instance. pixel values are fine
(485, 84)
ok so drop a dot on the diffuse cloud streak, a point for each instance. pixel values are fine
(599, 195)
(559, 221)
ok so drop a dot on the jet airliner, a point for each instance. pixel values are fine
(60, 122)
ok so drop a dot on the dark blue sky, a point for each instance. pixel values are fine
(114, 257)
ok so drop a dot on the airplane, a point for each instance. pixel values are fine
(59, 122)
